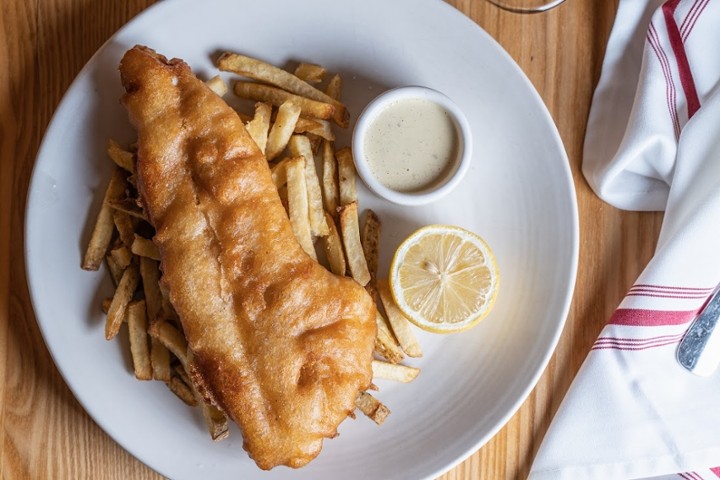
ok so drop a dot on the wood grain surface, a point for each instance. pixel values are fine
(44, 433)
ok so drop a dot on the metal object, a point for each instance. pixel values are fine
(699, 350)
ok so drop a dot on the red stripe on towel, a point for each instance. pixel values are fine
(670, 98)
(650, 318)
(685, 32)
(686, 78)
(667, 287)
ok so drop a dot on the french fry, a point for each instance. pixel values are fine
(121, 299)
(334, 87)
(160, 360)
(393, 371)
(279, 172)
(182, 391)
(330, 191)
(300, 145)
(120, 156)
(277, 96)
(385, 344)
(372, 407)
(144, 247)
(351, 240)
(103, 229)
(346, 176)
(115, 271)
(259, 126)
(124, 225)
(333, 248)
(399, 324)
(128, 206)
(217, 85)
(298, 204)
(159, 354)
(122, 257)
(172, 339)
(370, 239)
(150, 274)
(315, 126)
(264, 72)
(215, 420)
(139, 348)
(310, 72)
(282, 129)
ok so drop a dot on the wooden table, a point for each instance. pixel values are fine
(44, 44)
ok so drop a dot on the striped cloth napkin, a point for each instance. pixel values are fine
(653, 143)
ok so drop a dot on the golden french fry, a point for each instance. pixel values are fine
(399, 324)
(334, 87)
(385, 343)
(122, 257)
(370, 239)
(264, 72)
(120, 156)
(351, 240)
(315, 126)
(279, 172)
(346, 176)
(277, 96)
(333, 248)
(259, 126)
(128, 206)
(139, 348)
(393, 371)
(215, 420)
(182, 391)
(121, 299)
(160, 360)
(144, 247)
(103, 229)
(217, 85)
(124, 226)
(150, 274)
(171, 338)
(298, 204)
(372, 407)
(159, 355)
(330, 190)
(282, 129)
(300, 145)
(310, 72)
(115, 270)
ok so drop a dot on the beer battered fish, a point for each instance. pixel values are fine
(279, 344)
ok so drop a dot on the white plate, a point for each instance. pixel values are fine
(518, 195)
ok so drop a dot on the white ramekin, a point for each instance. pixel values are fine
(444, 186)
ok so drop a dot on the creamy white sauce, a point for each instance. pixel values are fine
(411, 145)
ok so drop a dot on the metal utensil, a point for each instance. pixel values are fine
(699, 350)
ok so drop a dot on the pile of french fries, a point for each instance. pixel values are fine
(292, 123)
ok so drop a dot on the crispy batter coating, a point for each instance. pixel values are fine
(279, 343)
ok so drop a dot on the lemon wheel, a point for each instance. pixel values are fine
(444, 278)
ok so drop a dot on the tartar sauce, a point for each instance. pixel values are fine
(411, 145)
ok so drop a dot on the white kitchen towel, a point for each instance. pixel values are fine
(652, 143)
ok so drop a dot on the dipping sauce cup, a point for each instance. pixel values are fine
(412, 145)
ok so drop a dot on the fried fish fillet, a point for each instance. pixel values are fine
(278, 343)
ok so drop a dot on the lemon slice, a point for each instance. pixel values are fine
(444, 278)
